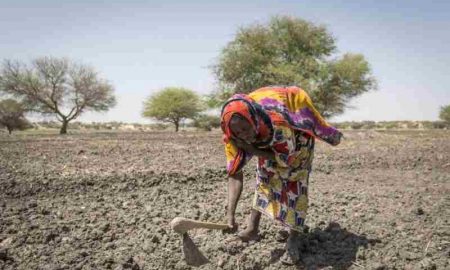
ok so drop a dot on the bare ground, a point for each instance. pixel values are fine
(380, 200)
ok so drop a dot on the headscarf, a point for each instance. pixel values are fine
(243, 106)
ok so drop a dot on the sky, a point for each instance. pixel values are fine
(143, 46)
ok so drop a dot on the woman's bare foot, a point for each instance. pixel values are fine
(292, 254)
(249, 234)
(282, 235)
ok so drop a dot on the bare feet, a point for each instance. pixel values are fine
(282, 236)
(292, 254)
(248, 235)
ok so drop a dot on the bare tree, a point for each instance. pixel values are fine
(57, 86)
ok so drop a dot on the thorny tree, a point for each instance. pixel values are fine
(57, 86)
(173, 104)
(292, 51)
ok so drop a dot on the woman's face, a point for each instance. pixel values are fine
(242, 129)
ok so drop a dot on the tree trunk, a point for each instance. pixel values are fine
(9, 130)
(177, 125)
(63, 130)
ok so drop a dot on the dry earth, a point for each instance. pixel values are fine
(380, 200)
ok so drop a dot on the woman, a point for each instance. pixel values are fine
(279, 126)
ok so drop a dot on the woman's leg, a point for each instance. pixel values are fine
(251, 232)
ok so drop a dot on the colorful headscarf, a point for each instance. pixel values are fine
(242, 106)
(247, 108)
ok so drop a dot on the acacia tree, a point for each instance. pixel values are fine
(57, 86)
(444, 114)
(292, 51)
(173, 104)
(12, 115)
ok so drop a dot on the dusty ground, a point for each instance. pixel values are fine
(380, 200)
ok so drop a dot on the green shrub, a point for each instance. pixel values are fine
(357, 125)
(206, 122)
(441, 125)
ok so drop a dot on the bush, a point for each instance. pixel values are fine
(444, 113)
(368, 124)
(427, 124)
(206, 122)
(12, 115)
(356, 125)
(413, 125)
(159, 126)
(441, 125)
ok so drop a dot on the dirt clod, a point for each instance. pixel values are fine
(3, 254)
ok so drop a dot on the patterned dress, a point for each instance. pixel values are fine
(281, 190)
(282, 186)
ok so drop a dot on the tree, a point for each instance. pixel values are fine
(12, 115)
(292, 51)
(173, 104)
(444, 114)
(57, 86)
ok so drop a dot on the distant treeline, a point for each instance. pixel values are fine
(393, 125)
(202, 122)
(100, 126)
(208, 126)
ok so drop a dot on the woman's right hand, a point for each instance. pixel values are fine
(232, 226)
(337, 139)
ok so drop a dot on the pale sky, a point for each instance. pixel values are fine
(143, 46)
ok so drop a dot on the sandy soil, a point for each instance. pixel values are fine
(380, 200)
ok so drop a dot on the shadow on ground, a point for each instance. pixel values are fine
(330, 247)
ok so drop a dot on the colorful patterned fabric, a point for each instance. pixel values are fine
(276, 106)
(288, 124)
(282, 185)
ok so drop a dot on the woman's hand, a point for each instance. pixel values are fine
(338, 139)
(232, 226)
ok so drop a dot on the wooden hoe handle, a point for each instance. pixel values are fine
(182, 225)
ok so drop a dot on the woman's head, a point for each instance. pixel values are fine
(239, 119)
(242, 129)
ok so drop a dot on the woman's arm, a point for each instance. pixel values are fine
(235, 183)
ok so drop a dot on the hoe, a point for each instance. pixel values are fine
(192, 254)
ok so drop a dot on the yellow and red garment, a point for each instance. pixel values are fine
(273, 106)
(287, 124)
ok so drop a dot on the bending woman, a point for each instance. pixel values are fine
(279, 125)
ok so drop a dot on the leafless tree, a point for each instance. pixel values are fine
(57, 86)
